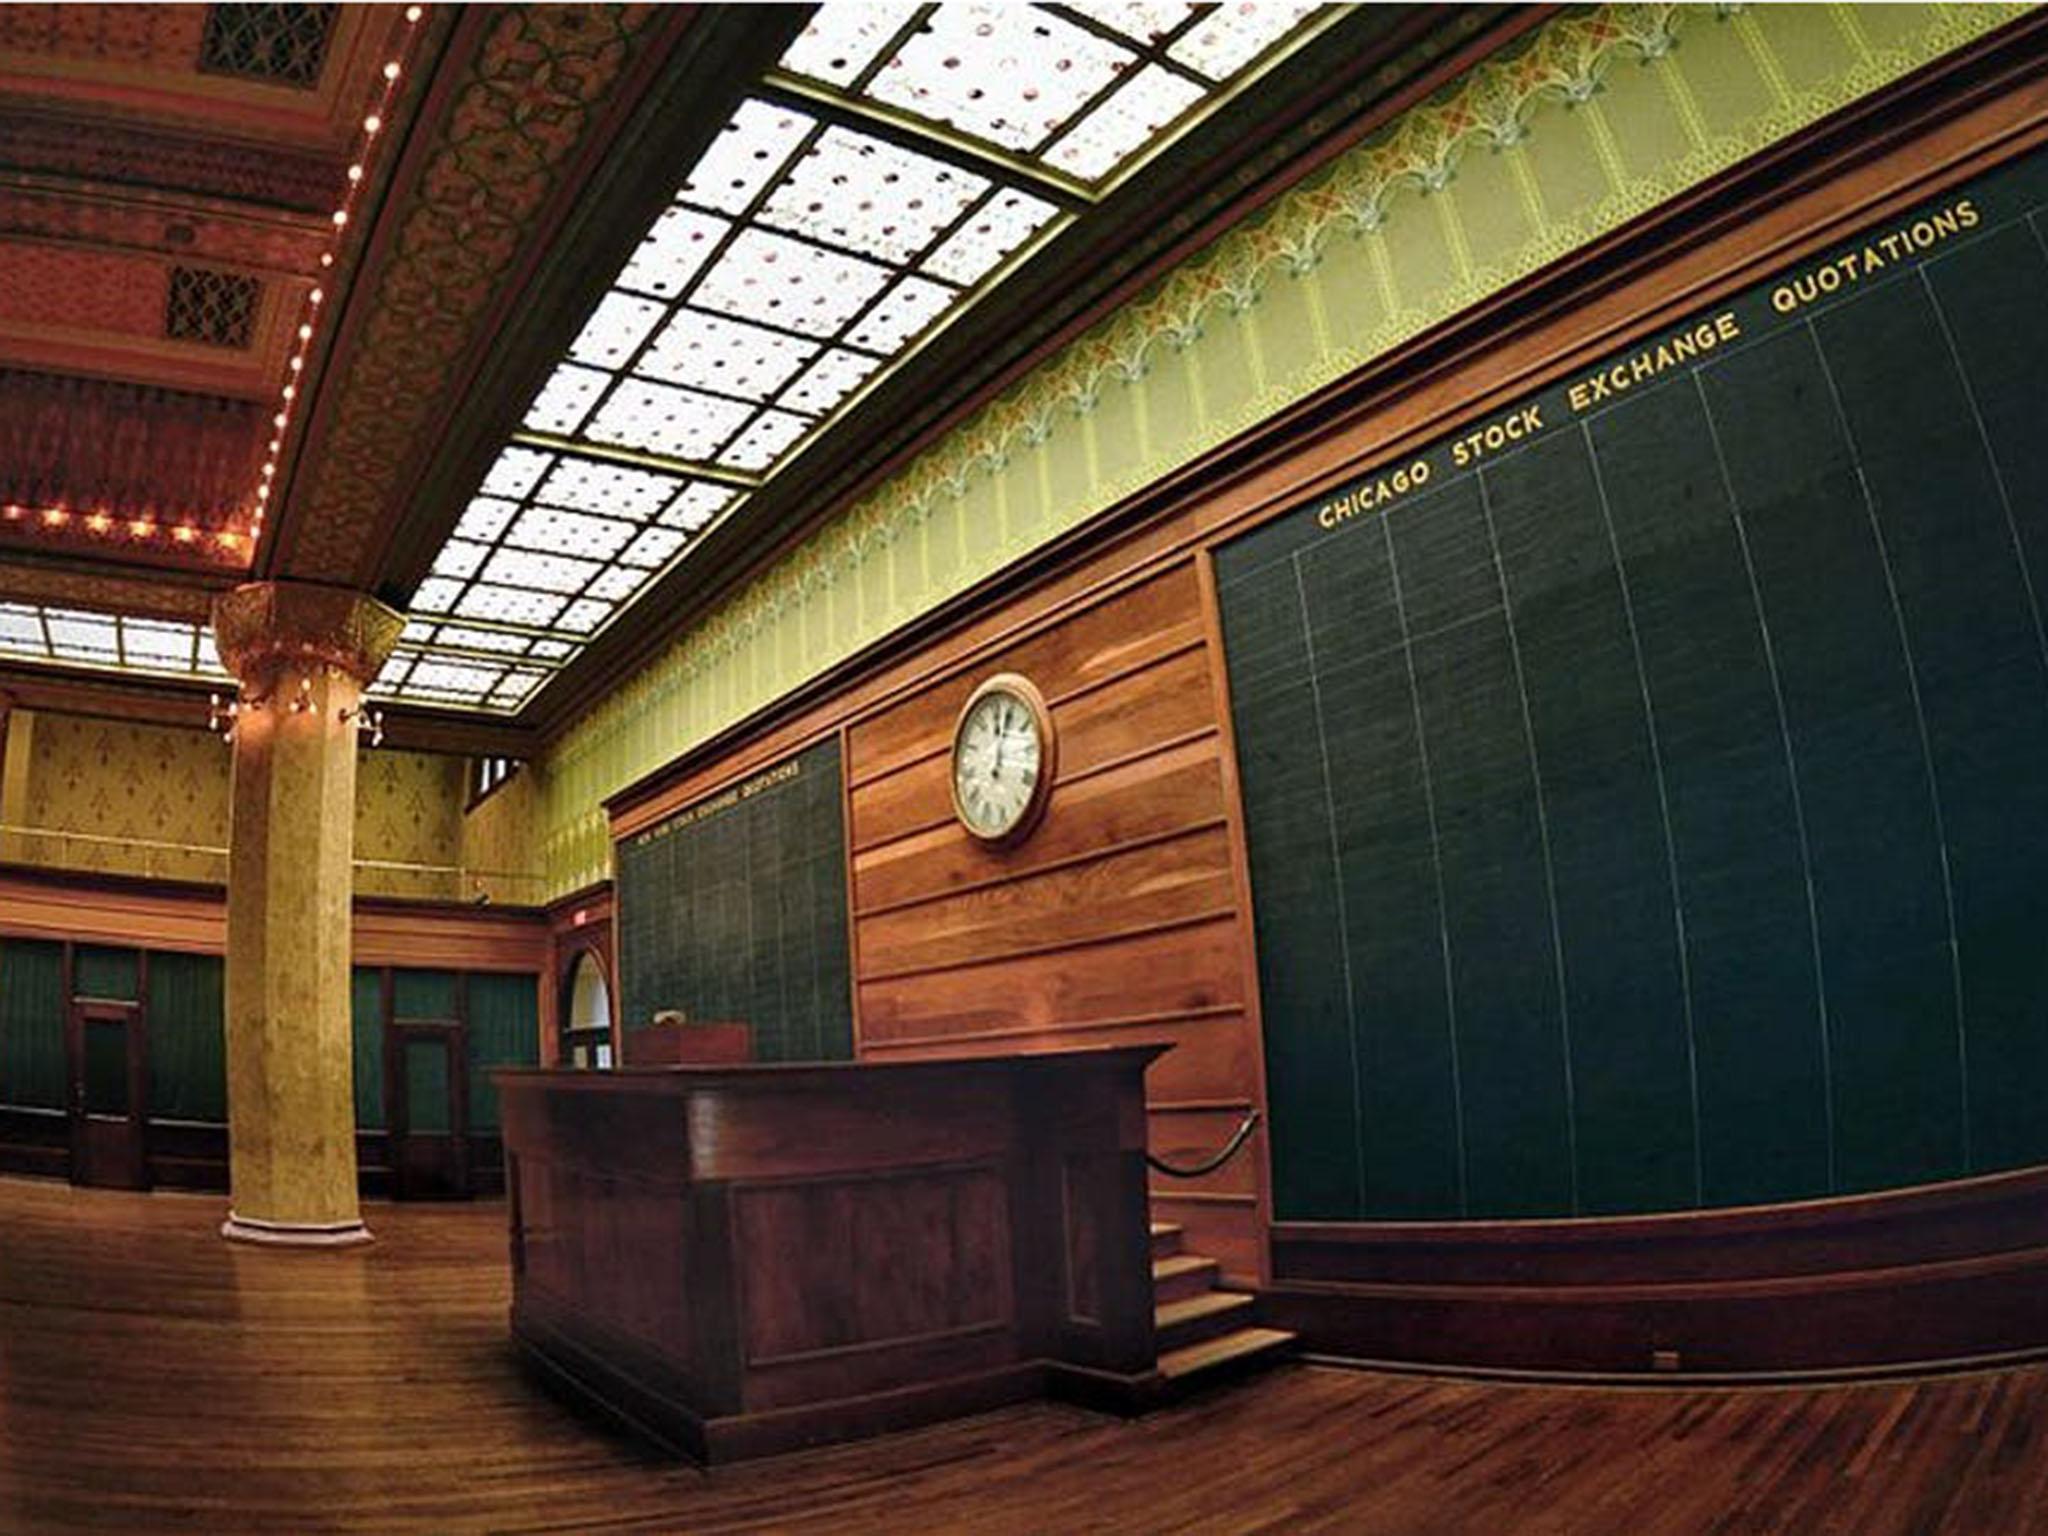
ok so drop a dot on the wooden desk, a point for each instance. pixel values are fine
(719, 1043)
(741, 1260)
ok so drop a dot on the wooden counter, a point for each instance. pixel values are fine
(740, 1260)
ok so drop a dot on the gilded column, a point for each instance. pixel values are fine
(303, 655)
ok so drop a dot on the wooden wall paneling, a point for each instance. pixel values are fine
(852, 908)
(1169, 794)
(1160, 975)
(1093, 644)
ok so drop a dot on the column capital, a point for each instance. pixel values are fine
(263, 626)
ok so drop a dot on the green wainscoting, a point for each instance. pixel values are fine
(187, 1043)
(504, 1031)
(366, 1009)
(32, 1011)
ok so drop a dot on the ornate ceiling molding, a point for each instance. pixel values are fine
(529, 98)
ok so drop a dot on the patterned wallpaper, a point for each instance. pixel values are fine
(125, 798)
(1605, 113)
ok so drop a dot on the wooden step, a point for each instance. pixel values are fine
(1166, 1237)
(1181, 1276)
(1229, 1351)
(1200, 1317)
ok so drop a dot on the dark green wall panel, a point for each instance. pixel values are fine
(110, 973)
(32, 1009)
(504, 1031)
(366, 1007)
(187, 1040)
(1646, 812)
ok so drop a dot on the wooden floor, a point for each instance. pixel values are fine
(153, 1377)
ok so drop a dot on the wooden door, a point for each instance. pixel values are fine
(426, 1098)
(107, 1053)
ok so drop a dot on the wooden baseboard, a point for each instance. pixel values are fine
(1904, 1280)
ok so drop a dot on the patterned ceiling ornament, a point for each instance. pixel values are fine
(537, 86)
(263, 627)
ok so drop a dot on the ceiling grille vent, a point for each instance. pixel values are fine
(217, 309)
(283, 44)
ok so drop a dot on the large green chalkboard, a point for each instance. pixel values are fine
(735, 908)
(1644, 784)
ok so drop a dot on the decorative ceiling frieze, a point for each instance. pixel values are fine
(484, 183)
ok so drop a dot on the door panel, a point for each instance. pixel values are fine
(109, 1064)
(428, 1110)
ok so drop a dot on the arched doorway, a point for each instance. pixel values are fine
(586, 1039)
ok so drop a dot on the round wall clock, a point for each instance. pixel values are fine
(1003, 760)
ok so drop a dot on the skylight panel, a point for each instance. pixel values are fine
(673, 252)
(767, 437)
(1231, 36)
(1010, 74)
(436, 594)
(507, 605)
(569, 533)
(515, 472)
(908, 308)
(697, 506)
(484, 639)
(393, 672)
(745, 156)
(209, 658)
(653, 547)
(997, 228)
(610, 489)
(468, 679)
(729, 356)
(842, 40)
(665, 419)
(615, 583)
(584, 615)
(21, 630)
(1143, 21)
(537, 572)
(76, 636)
(459, 559)
(513, 688)
(485, 518)
(552, 650)
(1124, 124)
(569, 395)
(157, 643)
(418, 632)
(862, 194)
(615, 330)
(783, 282)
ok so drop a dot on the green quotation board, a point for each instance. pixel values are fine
(735, 909)
(1644, 784)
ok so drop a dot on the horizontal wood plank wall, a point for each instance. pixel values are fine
(192, 919)
(1117, 921)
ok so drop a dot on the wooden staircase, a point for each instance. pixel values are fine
(1203, 1333)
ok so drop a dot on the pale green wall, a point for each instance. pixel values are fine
(1604, 114)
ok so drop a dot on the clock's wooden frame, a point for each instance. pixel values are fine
(1021, 687)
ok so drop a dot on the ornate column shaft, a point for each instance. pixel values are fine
(303, 655)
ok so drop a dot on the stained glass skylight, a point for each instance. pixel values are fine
(819, 239)
(32, 632)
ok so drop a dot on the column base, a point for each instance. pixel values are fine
(294, 1234)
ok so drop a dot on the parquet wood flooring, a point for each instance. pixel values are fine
(154, 1377)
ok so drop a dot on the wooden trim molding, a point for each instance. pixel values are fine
(1915, 1277)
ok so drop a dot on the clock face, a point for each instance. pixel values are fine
(999, 763)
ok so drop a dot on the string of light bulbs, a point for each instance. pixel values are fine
(316, 297)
